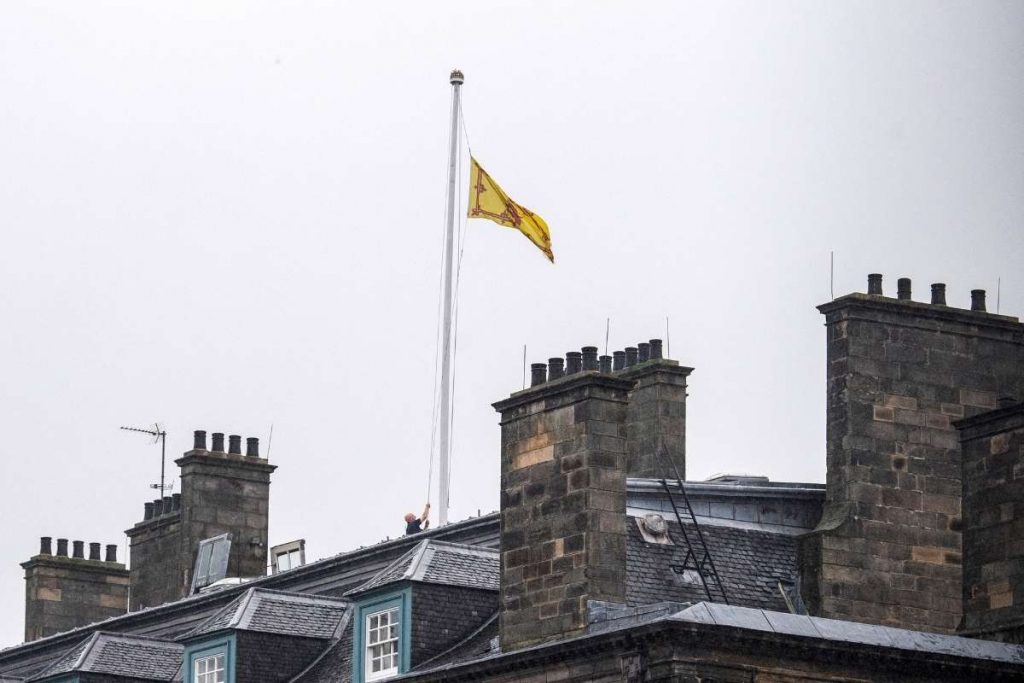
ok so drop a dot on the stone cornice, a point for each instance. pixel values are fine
(227, 460)
(991, 422)
(868, 304)
(580, 382)
(74, 563)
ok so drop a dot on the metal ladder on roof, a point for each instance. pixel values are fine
(698, 557)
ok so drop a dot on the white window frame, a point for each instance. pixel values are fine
(205, 669)
(283, 557)
(394, 626)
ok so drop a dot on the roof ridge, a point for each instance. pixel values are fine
(111, 635)
(464, 547)
(198, 630)
(389, 567)
(87, 652)
(242, 616)
(308, 597)
(417, 567)
(85, 644)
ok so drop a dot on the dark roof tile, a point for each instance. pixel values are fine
(120, 655)
(294, 614)
(751, 564)
(450, 564)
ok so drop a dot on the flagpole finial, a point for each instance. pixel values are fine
(456, 77)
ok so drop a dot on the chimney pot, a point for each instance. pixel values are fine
(167, 505)
(556, 368)
(148, 511)
(631, 355)
(235, 444)
(573, 362)
(199, 440)
(977, 299)
(903, 288)
(62, 547)
(605, 364)
(158, 507)
(218, 442)
(875, 284)
(538, 374)
(79, 549)
(94, 551)
(656, 349)
(589, 357)
(643, 352)
(252, 447)
(618, 360)
(175, 502)
(46, 545)
(939, 293)
(111, 553)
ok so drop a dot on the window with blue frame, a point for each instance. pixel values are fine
(381, 640)
(210, 662)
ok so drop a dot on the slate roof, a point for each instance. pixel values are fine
(119, 655)
(266, 611)
(334, 665)
(751, 563)
(433, 561)
(477, 644)
(619, 618)
(331, 575)
(849, 631)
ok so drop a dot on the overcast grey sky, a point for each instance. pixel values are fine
(224, 215)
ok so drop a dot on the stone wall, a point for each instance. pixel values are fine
(656, 419)
(157, 575)
(563, 503)
(62, 593)
(221, 493)
(225, 493)
(993, 535)
(888, 548)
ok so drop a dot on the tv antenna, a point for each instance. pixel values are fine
(160, 435)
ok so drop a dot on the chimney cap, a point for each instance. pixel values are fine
(977, 299)
(903, 288)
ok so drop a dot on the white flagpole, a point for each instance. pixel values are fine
(456, 79)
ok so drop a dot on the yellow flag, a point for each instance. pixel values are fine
(488, 200)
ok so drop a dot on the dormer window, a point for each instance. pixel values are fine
(380, 640)
(210, 669)
(382, 652)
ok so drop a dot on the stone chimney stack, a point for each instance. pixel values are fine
(888, 548)
(568, 444)
(563, 504)
(993, 529)
(656, 418)
(62, 593)
(221, 492)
